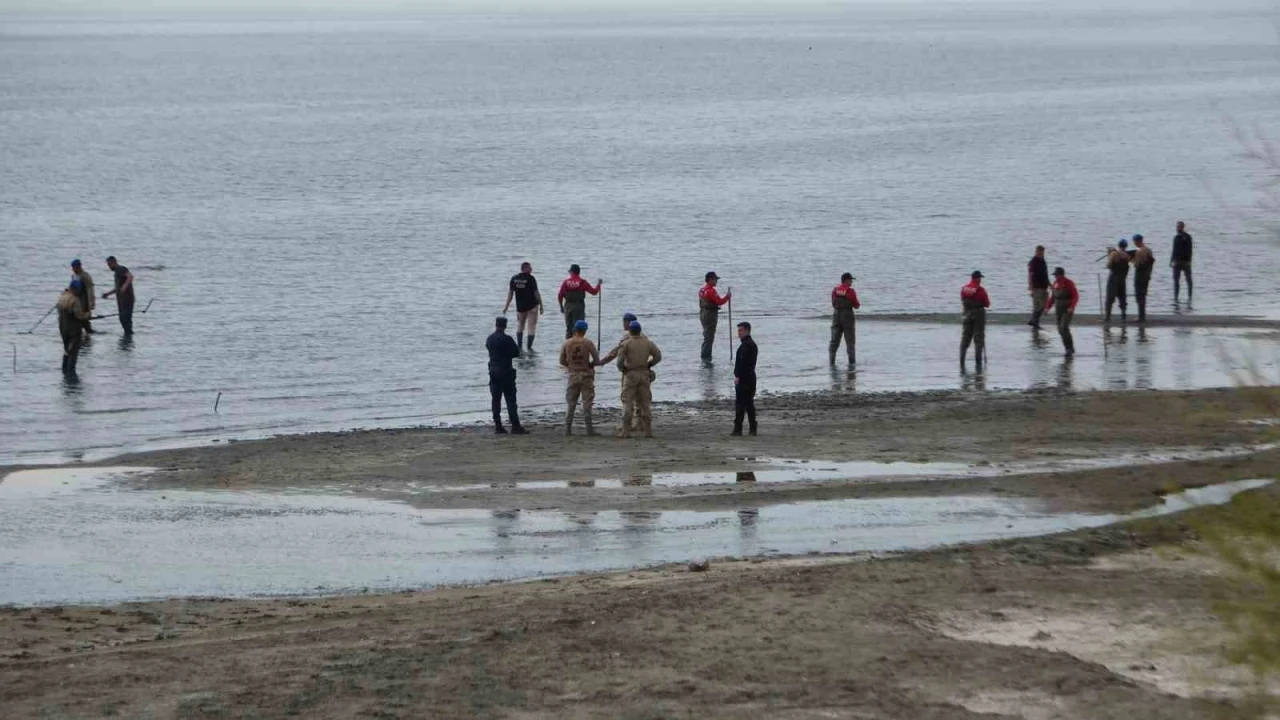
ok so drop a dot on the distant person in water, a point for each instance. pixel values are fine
(573, 298)
(524, 288)
(709, 303)
(1063, 298)
(975, 301)
(89, 300)
(1144, 261)
(844, 300)
(1038, 285)
(123, 292)
(502, 377)
(72, 317)
(1180, 261)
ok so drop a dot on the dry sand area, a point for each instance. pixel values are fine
(1111, 622)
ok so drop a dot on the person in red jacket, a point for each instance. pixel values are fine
(974, 299)
(844, 300)
(1063, 298)
(709, 302)
(573, 298)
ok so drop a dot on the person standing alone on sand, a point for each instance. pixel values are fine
(123, 292)
(1063, 298)
(573, 298)
(844, 300)
(580, 357)
(1144, 261)
(744, 380)
(1038, 286)
(709, 303)
(524, 288)
(1180, 261)
(975, 301)
(502, 377)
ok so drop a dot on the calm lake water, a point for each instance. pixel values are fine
(325, 212)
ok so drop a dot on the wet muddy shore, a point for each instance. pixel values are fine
(844, 629)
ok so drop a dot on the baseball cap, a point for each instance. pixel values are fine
(634, 326)
(628, 316)
(574, 268)
(1059, 271)
(1137, 237)
(580, 325)
(976, 274)
(75, 263)
(76, 284)
(712, 276)
(1123, 243)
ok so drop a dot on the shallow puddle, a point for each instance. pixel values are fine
(83, 542)
(779, 470)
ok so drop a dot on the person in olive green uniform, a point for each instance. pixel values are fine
(573, 298)
(1144, 261)
(709, 304)
(72, 317)
(844, 300)
(579, 356)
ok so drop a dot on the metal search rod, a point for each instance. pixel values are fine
(42, 319)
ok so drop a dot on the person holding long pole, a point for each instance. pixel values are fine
(709, 303)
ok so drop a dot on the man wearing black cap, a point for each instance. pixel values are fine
(573, 298)
(1063, 298)
(502, 377)
(1144, 261)
(974, 300)
(709, 302)
(744, 380)
(844, 300)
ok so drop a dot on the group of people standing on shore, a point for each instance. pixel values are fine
(77, 302)
(636, 354)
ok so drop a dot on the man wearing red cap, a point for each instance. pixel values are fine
(709, 302)
(974, 299)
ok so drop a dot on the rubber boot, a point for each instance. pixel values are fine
(568, 422)
(832, 358)
(519, 339)
(530, 342)
(586, 416)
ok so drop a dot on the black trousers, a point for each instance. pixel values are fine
(744, 403)
(124, 304)
(503, 385)
(1141, 282)
(1116, 292)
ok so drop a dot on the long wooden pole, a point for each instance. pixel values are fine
(730, 324)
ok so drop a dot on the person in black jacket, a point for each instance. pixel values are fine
(1180, 261)
(744, 380)
(1038, 286)
(502, 377)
